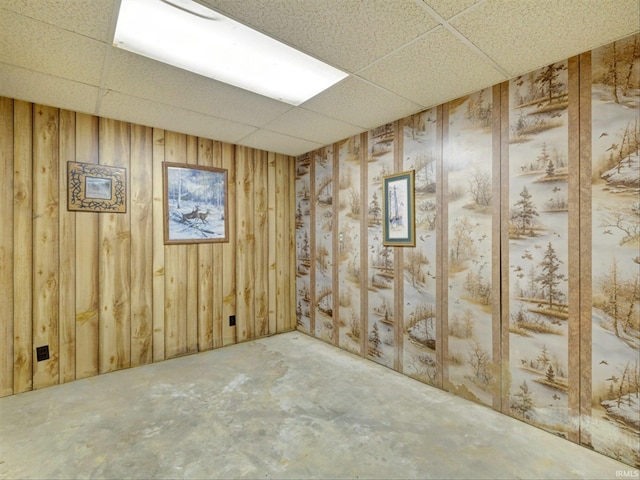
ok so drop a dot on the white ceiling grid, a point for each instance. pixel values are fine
(402, 56)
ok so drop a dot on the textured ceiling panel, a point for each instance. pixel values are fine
(311, 126)
(152, 114)
(38, 46)
(448, 8)
(141, 77)
(527, 34)
(426, 62)
(276, 142)
(45, 89)
(91, 18)
(345, 34)
(403, 56)
(359, 103)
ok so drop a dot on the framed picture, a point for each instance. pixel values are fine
(399, 209)
(195, 204)
(96, 188)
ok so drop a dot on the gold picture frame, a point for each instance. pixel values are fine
(399, 210)
(96, 188)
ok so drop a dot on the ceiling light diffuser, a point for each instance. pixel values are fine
(190, 36)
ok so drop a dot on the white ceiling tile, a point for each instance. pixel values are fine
(55, 52)
(524, 35)
(448, 8)
(144, 112)
(40, 88)
(425, 63)
(278, 143)
(142, 77)
(38, 46)
(360, 103)
(312, 126)
(91, 18)
(348, 34)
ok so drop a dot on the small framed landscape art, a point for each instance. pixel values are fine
(96, 188)
(195, 203)
(399, 209)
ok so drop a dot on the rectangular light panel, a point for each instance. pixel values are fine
(190, 36)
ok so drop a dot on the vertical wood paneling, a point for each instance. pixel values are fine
(218, 278)
(87, 265)
(280, 174)
(114, 255)
(67, 268)
(45, 243)
(274, 245)
(285, 244)
(191, 317)
(228, 272)
(6, 247)
(175, 304)
(261, 267)
(205, 287)
(141, 198)
(22, 246)
(245, 253)
(101, 290)
(158, 249)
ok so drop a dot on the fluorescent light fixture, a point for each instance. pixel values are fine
(190, 36)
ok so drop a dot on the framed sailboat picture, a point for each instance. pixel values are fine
(399, 209)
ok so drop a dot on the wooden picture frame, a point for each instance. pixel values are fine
(399, 221)
(195, 204)
(96, 188)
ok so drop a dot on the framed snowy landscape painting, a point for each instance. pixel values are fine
(399, 219)
(195, 204)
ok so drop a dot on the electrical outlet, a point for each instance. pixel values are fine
(232, 320)
(42, 353)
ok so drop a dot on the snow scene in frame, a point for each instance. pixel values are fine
(195, 204)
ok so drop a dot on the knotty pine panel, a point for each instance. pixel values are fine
(6, 247)
(22, 246)
(45, 243)
(101, 290)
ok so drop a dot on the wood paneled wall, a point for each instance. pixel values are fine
(101, 290)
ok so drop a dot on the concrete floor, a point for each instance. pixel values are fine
(287, 406)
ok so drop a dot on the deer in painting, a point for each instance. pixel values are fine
(202, 216)
(191, 215)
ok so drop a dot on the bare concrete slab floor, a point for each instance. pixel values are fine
(287, 406)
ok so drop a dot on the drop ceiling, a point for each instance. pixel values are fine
(402, 56)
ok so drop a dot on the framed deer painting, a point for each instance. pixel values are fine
(195, 203)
